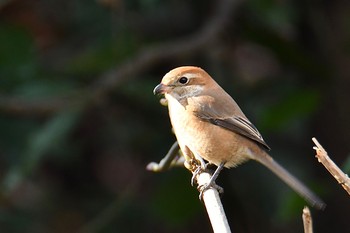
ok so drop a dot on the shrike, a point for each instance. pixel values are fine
(209, 125)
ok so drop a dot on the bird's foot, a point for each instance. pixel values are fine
(211, 184)
(199, 169)
(195, 173)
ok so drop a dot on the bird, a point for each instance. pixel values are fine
(210, 126)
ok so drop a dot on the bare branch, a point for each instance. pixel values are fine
(307, 220)
(213, 205)
(336, 172)
(171, 159)
(14, 105)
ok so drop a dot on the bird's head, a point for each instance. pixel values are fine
(184, 82)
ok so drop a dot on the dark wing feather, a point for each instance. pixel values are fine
(243, 127)
(235, 124)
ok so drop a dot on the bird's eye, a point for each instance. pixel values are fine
(183, 80)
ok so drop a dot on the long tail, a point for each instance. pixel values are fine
(289, 179)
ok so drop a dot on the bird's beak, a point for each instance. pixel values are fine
(160, 89)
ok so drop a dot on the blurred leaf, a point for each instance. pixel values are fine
(51, 135)
(43, 88)
(290, 207)
(293, 105)
(149, 4)
(288, 52)
(15, 221)
(276, 15)
(104, 56)
(139, 90)
(14, 136)
(45, 139)
(17, 56)
(166, 200)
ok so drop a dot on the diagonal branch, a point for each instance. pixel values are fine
(179, 47)
(132, 67)
(327, 162)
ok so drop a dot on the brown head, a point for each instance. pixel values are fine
(184, 82)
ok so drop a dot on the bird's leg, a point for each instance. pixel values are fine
(198, 165)
(216, 174)
(195, 173)
(212, 183)
(168, 161)
(204, 165)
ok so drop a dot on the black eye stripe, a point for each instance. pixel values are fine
(183, 80)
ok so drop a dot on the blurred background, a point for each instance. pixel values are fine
(79, 122)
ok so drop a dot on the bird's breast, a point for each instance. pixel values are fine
(213, 143)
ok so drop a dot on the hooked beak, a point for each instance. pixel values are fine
(160, 89)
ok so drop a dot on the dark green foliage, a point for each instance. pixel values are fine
(74, 145)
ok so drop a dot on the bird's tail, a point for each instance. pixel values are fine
(289, 179)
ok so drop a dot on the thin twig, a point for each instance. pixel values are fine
(336, 172)
(171, 159)
(307, 220)
(213, 205)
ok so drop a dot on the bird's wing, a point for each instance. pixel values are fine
(237, 124)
